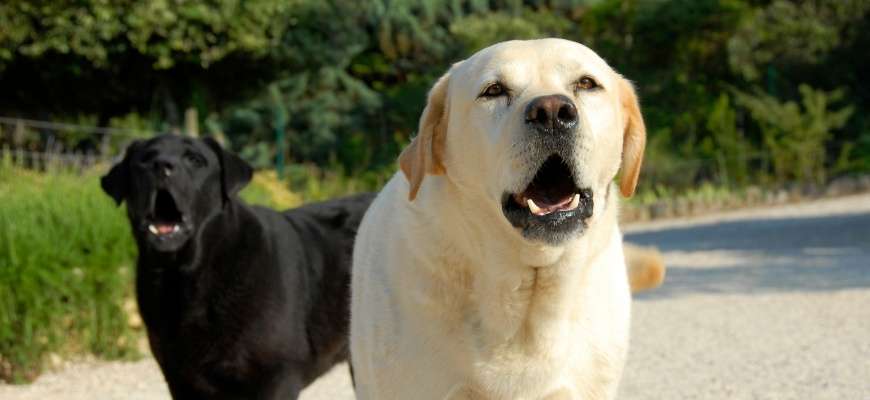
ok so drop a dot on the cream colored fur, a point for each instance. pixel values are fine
(449, 301)
(646, 268)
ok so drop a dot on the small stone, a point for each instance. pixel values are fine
(842, 186)
(754, 195)
(660, 209)
(811, 191)
(681, 208)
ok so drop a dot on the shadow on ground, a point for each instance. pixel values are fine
(763, 255)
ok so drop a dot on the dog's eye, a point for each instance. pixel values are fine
(586, 83)
(494, 90)
(194, 159)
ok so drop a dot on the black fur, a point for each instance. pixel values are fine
(241, 302)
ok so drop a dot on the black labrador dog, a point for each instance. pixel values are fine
(240, 302)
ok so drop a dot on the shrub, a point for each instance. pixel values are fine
(317, 184)
(795, 134)
(66, 266)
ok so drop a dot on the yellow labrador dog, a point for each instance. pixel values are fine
(492, 267)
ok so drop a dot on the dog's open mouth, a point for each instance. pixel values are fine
(551, 204)
(166, 218)
(552, 190)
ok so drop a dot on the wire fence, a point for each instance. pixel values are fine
(42, 145)
(65, 127)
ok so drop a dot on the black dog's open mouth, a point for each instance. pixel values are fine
(551, 204)
(166, 218)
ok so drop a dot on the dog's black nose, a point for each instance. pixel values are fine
(163, 166)
(553, 114)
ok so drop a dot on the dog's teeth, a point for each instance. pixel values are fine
(575, 201)
(175, 228)
(533, 207)
(153, 229)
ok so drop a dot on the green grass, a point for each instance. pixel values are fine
(313, 183)
(66, 267)
(703, 192)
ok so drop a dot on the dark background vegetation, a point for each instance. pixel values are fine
(734, 91)
(736, 94)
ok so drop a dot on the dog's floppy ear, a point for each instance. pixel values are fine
(116, 183)
(235, 172)
(633, 138)
(424, 155)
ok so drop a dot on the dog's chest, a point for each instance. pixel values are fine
(534, 339)
(201, 340)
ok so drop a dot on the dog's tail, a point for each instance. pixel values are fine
(646, 268)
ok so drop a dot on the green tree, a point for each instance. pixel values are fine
(791, 32)
(352, 76)
(731, 150)
(796, 134)
(113, 57)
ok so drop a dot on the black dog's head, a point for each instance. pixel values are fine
(172, 185)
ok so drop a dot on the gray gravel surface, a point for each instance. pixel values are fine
(769, 303)
(757, 304)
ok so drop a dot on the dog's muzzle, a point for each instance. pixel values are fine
(551, 207)
(166, 226)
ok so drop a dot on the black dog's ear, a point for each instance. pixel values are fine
(117, 182)
(235, 172)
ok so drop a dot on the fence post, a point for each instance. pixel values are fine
(280, 123)
(191, 122)
(105, 148)
(18, 135)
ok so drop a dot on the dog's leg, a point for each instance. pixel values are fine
(284, 386)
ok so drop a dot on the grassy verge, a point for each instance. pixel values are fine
(66, 266)
(706, 197)
(313, 183)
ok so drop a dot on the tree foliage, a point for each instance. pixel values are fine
(796, 133)
(716, 77)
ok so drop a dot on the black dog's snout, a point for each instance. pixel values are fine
(164, 166)
(553, 114)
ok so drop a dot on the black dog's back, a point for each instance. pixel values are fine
(323, 253)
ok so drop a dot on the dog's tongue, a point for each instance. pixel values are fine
(547, 197)
(164, 229)
(545, 200)
(540, 203)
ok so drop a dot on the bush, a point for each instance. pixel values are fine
(317, 184)
(66, 267)
(796, 135)
(267, 190)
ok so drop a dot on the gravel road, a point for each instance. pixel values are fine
(769, 303)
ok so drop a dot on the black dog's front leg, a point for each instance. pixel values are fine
(183, 391)
(285, 385)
